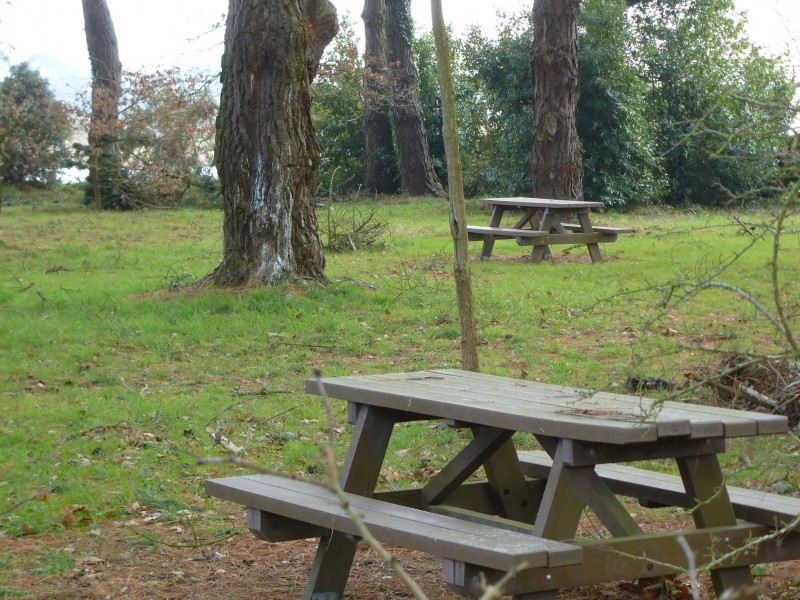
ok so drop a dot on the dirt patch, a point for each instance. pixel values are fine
(119, 563)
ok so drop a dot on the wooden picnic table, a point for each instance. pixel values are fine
(522, 514)
(544, 222)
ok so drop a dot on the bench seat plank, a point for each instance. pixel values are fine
(598, 228)
(441, 535)
(480, 232)
(652, 487)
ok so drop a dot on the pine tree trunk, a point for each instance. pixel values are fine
(380, 163)
(458, 210)
(267, 155)
(101, 42)
(416, 169)
(557, 165)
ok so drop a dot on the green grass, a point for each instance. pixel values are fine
(110, 382)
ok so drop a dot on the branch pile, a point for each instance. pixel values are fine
(752, 384)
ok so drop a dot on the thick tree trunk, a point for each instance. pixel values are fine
(458, 210)
(101, 41)
(266, 151)
(380, 163)
(416, 169)
(557, 165)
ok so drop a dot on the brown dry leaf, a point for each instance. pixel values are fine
(68, 516)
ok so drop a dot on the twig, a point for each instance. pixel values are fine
(261, 392)
(235, 404)
(14, 507)
(196, 544)
(744, 226)
(776, 293)
(691, 563)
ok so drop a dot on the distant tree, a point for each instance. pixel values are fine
(722, 108)
(501, 81)
(266, 152)
(104, 165)
(416, 169)
(166, 134)
(380, 160)
(423, 49)
(34, 128)
(339, 115)
(621, 161)
(557, 165)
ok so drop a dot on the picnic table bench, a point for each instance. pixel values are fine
(541, 226)
(522, 515)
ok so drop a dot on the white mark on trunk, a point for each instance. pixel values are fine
(259, 199)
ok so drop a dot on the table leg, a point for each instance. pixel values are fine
(508, 482)
(563, 501)
(335, 553)
(702, 477)
(586, 225)
(546, 224)
(494, 221)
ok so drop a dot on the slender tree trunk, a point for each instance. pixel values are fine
(416, 169)
(380, 162)
(101, 41)
(266, 152)
(455, 178)
(557, 165)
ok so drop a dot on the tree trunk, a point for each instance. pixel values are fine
(380, 163)
(416, 169)
(557, 165)
(458, 210)
(266, 152)
(101, 41)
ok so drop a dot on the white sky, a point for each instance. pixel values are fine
(49, 33)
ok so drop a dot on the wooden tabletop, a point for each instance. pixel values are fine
(522, 202)
(545, 409)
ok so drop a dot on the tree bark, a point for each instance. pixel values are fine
(557, 165)
(101, 42)
(416, 169)
(455, 178)
(380, 162)
(267, 155)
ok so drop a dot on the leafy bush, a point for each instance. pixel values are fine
(166, 136)
(34, 128)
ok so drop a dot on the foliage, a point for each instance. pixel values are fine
(34, 128)
(499, 76)
(424, 53)
(166, 137)
(338, 113)
(620, 158)
(722, 107)
(676, 106)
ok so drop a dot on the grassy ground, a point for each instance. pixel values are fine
(113, 375)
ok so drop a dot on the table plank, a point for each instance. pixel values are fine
(736, 423)
(473, 408)
(522, 202)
